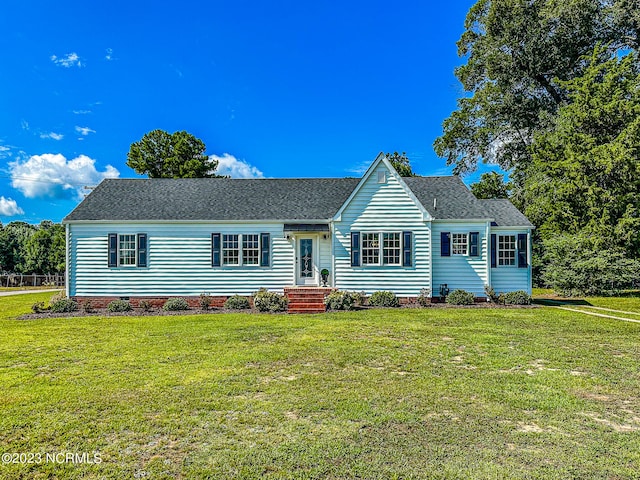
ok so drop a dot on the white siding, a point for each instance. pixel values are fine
(460, 271)
(179, 262)
(382, 208)
(511, 278)
(324, 260)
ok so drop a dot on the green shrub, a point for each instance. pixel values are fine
(491, 294)
(64, 305)
(38, 307)
(460, 297)
(205, 301)
(383, 299)
(519, 297)
(266, 301)
(237, 302)
(87, 307)
(338, 300)
(175, 304)
(424, 299)
(119, 306)
(56, 297)
(579, 265)
(145, 305)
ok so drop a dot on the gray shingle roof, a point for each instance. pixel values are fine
(453, 198)
(296, 199)
(215, 199)
(504, 213)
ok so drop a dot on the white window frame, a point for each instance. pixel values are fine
(386, 248)
(379, 241)
(373, 245)
(459, 244)
(241, 249)
(501, 250)
(250, 252)
(228, 246)
(121, 250)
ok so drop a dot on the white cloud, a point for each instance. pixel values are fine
(24, 124)
(84, 131)
(52, 175)
(52, 135)
(5, 151)
(81, 112)
(230, 165)
(9, 207)
(67, 61)
(109, 55)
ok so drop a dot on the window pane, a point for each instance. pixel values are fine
(506, 250)
(459, 244)
(250, 250)
(230, 250)
(391, 248)
(127, 248)
(370, 249)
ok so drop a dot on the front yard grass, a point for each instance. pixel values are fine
(406, 393)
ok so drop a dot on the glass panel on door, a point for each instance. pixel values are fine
(306, 258)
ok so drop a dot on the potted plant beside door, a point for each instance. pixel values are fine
(325, 276)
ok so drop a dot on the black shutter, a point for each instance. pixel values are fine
(474, 250)
(113, 249)
(445, 244)
(494, 255)
(522, 250)
(215, 249)
(355, 249)
(265, 243)
(142, 249)
(406, 249)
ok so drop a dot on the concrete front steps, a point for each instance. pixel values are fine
(307, 299)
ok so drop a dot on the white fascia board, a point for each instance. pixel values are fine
(382, 158)
(502, 228)
(463, 220)
(187, 222)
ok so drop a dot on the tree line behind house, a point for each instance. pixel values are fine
(32, 249)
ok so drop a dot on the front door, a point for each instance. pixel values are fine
(305, 262)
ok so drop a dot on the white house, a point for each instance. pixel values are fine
(159, 238)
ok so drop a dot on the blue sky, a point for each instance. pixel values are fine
(274, 89)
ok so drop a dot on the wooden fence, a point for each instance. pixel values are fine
(31, 280)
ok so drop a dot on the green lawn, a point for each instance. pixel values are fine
(407, 393)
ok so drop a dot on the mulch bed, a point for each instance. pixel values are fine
(103, 312)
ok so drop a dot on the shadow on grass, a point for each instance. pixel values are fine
(629, 294)
(559, 302)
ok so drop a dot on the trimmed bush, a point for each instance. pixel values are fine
(519, 297)
(119, 306)
(424, 299)
(266, 301)
(57, 297)
(64, 305)
(492, 295)
(145, 305)
(87, 307)
(38, 307)
(460, 297)
(237, 302)
(383, 299)
(338, 300)
(175, 304)
(205, 301)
